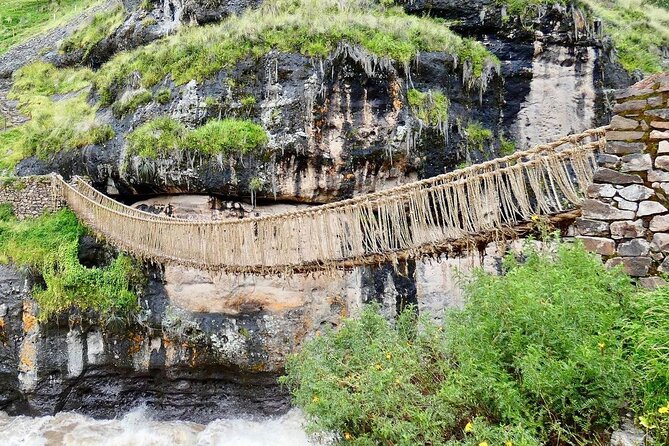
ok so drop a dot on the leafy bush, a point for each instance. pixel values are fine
(49, 245)
(536, 356)
(648, 332)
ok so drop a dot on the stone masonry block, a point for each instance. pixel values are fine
(599, 245)
(627, 229)
(621, 123)
(650, 208)
(636, 162)
(604, 175)
(596, 210)
(592, 227)
(614, 135)
(634, 266)
(636, 192)
(634, 248)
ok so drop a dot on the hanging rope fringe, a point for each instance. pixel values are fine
(412, 220)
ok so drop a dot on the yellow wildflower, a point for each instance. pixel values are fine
(601, 346)
(397, 381)
(469, 427)
(535, 218)
(508, 443)
(378, 366)
(315, 399)
(645, 423)
(664, 409)
(347, 436)
(483, 443)
(389, 355)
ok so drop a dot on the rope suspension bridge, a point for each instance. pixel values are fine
(413, 220)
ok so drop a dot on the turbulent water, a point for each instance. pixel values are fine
(137, 428)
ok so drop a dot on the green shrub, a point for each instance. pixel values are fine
(648, 332)
(157, 137)
(48, 245)
(102, 26)
(506, 146)
(535, 357)
(228, 136)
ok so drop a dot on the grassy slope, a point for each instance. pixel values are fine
(639, 28)
(22, 19)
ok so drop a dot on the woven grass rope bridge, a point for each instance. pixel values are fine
(413, 220)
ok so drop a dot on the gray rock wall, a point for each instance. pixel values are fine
(626, 216)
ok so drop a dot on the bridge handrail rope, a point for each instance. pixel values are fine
(406, 221)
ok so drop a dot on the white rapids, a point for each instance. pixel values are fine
(137, 428)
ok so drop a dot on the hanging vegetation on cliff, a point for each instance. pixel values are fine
(49, 246)
(311, 27)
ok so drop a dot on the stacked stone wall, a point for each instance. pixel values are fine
(625, 217)
(30, 196)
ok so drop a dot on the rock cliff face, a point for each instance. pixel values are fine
(342, 125)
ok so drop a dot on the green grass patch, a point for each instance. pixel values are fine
(292, 26)
(158, 137)
(163, 96)
(639, 31)
(48, 245)
(43, 79)
(639, 28)
(102, 26)
(132, 103)
(648, 332)
(162, 136)
(431, 107)
(506, 146)
(228, 136)
(23, 19)
(478, 136)
(536, 355)
(527, 8)
(61, 116)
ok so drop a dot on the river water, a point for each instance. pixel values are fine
(138, 428)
